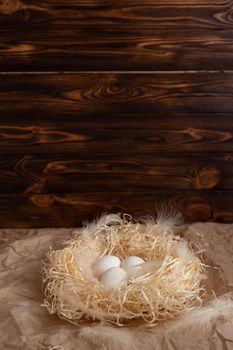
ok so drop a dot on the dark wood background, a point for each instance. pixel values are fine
(115, 106)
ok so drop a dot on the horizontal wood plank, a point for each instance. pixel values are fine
(112, 49)
(148, 13)
(69, 210)
(100, 35)
(107, 93)
(88, 133)
(106, 171)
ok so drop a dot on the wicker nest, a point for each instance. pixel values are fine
(172, 286)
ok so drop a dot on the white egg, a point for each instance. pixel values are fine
(140, 270)
(113, 277)
(105, 263)
(132, 261)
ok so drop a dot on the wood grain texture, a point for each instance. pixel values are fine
(90, 133)
(159, 14)
(104, 171)
(113, 49)
(136, 108)
(125, 35)
(122, 92)
(69, 210)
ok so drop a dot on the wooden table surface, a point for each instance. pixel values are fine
(115, 106)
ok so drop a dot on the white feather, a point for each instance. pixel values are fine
(183, 251)
(202, 320)
(90, 228)
(108, 338)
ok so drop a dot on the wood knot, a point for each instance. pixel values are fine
(199, 212)
(8, 7)
(206, 178)
(42, 200)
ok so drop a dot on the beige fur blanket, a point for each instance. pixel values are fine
(24, 324)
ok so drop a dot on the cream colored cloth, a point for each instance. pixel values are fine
(25, 324)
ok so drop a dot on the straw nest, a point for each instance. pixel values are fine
(172, 286)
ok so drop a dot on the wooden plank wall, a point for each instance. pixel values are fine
(115, 106)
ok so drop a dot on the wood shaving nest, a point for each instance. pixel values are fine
(173, 286)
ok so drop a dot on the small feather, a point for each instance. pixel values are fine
(201, 320)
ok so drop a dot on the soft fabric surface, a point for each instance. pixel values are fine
(24, 324)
